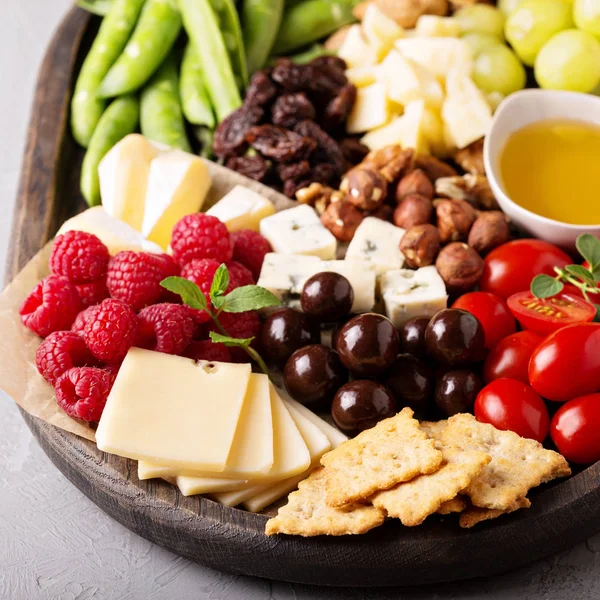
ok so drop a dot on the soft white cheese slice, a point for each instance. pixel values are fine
(242, 208)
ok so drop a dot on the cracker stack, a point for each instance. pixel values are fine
(409, 470)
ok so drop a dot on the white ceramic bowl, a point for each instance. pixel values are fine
(517, 111)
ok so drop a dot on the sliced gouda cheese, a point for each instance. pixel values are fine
(242, 208)
(173, 411)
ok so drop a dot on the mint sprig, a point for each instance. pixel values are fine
(242, 299)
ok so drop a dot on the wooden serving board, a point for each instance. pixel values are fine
(231, 539)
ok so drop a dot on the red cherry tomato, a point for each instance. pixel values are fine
(574, 429)
(510, 268)
(510, 357)
(545, 315)
(567, 363)
(492, 313)
(593, 298)
(512, 405)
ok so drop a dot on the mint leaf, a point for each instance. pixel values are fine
(190, 293)
(588, 246)
(230, 341)
(249, 297)
(220, 282)
(581, 272)
(544, 286)
(218, 301)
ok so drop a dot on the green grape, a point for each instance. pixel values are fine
(481, 18)
(497, 69)
(569, 61)
(479, 41)
(587, 15)
(533, 23)
(508, 6)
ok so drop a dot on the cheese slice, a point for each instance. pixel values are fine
(242, 208)
(123, 176)
(316, 441)
(192, 486)
(171, 410)
(116, 235)
(177, 186)
(251, 452)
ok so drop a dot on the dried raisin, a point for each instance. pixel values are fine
(328, 149)
(330, 61)
(337, 110)
(291, 186)
(295, 170)
(280, 144)
(323, 173)
(254, 167)
(289, 109)
(292, 77)
(353, 150)
(230, 135)
(261, 90)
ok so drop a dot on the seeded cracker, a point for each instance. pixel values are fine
(307, 514)
(474, 515)
(518, 464)
(393, 451)
(412, 502)
(456, 505)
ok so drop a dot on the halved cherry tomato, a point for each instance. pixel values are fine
(545, 315)
(510, 268)
(510, 357)
(567, 363)
(574, 429)
(492, 312)
(512, 405)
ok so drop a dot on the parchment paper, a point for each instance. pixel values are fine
(19, 377)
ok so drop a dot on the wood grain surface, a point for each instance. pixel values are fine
(229, 539)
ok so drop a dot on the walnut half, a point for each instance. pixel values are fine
(475, 189)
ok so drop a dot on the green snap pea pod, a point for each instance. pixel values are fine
(229, 22)
(261, 20)
(154, 36)
(120, 119)
(96, 7)
(202, 26)
(192, 90)
(311, 53)
(86, 106)
(205, 136)
(311, 20)
(161, 117)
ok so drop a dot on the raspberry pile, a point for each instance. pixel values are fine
(93, 308)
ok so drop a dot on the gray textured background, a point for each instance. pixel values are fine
(55, 544)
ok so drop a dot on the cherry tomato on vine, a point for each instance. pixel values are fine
(492, 312)
(510, 357)
(574, 429)
(512, 405)
(567, 363)
(510, 268)
(545, 315)
(593, 298)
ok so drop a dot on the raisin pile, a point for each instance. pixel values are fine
(290, 131)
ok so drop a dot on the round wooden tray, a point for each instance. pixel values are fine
(231, 539)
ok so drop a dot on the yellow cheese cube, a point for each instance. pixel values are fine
(355, 50)
(371, 109)
(379, 30)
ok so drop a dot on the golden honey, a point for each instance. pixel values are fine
(552, 168)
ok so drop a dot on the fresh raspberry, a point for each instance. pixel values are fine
(79, 256)
(134, 277)
(82, 318)
(250, 249)
(93, 292)
(59, 352)
(201, 271)
(240, 274)
(111, 331)
(165, 328)
(207, 350)
(241, 325)
(52, 306)
(82, 392)
(201, 236)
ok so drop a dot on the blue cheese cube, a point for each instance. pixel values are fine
(299, 230)
(408, 294)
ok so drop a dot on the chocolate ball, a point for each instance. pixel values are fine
(412, 382)
(327, 297)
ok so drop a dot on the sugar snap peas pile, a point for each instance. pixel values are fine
(171, 68)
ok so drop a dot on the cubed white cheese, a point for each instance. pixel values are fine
(377, 242)
(242, 208)
(371, 109)
(408, 294)
(299, 230)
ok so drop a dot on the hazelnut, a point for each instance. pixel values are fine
(416, 182)
(413, 210)
(454, 219)
(489, 231)
(392, 161)
(434, 167)
(342, 218)
(384, 212)
(420, 245)
(364, 187)
(460, 267)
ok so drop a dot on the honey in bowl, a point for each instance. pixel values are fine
(551, 168)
